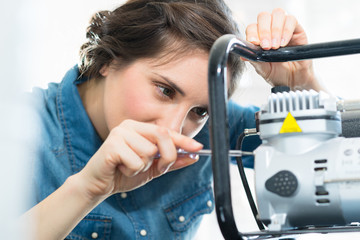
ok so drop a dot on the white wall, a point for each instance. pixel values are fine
(61, 31)
(46, 35)
(15, 42)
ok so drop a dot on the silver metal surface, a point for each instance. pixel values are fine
(323, 166)
(207, 152)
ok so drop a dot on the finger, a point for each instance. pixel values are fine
(144, 148)
(156, 133)
(180, 141)
(184, 142)
(166, 148)
(252, 34)
(264, 30)
(144, 136)
(288, 30)
(277, 24)
(263, 69)
(131, 164)
(166, 141)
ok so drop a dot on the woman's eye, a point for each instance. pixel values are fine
(201, 112)
(166, 91)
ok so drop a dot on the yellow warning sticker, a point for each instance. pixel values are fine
(290, 125)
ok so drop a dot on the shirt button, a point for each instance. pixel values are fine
(209, 203)
(123, 195)
(181, 218)
(94, 235)
(143, 232)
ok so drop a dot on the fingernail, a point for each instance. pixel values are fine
(282, 42)
(194, 156)
(147, 167)
(265, 43)
(164, 169)
(197, 144)
(253, 40)
(274, 42)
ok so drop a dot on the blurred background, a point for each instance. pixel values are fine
(40, 42)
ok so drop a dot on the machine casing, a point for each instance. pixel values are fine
(305, 174)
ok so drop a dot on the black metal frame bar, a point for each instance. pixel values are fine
(219, 135)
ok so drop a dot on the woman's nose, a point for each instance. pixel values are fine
(174, 120)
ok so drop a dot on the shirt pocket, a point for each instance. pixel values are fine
(93, 226)
(182, 213)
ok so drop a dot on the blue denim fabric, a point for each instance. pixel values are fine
(168, 207)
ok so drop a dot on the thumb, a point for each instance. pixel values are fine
(262, 68)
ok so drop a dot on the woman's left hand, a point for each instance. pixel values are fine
(274, 30)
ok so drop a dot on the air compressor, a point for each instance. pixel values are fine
(307, 169)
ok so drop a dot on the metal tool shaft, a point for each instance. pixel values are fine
(207, 152)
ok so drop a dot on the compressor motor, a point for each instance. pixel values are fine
(307, 170)
(306, 173)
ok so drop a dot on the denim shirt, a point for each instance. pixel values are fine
(168, 207)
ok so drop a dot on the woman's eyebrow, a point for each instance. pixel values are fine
(172, 84)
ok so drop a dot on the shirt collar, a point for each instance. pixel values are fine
(81, 138)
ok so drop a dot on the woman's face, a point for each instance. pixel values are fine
(172, 95)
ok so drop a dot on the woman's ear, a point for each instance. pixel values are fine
(104, 70)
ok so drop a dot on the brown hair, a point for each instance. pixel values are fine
(155, 28)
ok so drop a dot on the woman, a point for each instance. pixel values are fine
(140, 90)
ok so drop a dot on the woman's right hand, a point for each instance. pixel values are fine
(126, 161)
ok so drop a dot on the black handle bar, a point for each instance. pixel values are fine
(294, 53)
